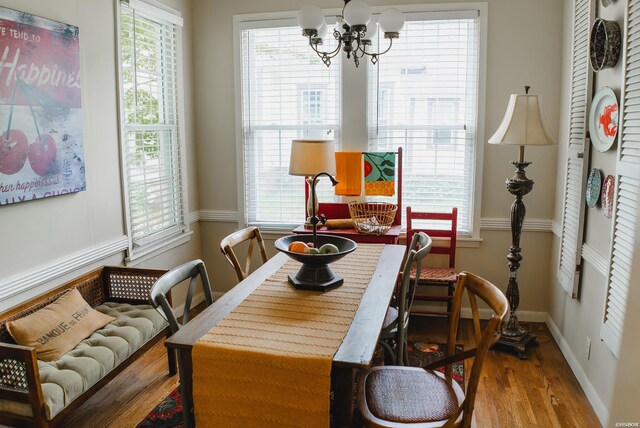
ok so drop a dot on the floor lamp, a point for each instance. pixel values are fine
(523, 125)
(309, 158)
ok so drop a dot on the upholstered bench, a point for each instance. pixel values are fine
(41, 393)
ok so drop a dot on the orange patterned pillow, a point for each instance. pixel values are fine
(58, 327)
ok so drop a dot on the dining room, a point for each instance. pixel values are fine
(154, 133)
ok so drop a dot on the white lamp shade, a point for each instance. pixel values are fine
(311, 157)
(310, 17)
(357, 12)
(523, 123)
(391, 21)
(372, 31)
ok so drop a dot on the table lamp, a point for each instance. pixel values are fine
(309, 158)
(523, 125)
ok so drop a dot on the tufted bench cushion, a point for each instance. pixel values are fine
(65, 379)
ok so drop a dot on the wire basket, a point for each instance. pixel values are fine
(372, 218)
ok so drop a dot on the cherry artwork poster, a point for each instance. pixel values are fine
(41, 145)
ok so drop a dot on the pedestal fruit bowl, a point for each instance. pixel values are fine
(315, 273)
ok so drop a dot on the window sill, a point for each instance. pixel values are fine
(146, 253)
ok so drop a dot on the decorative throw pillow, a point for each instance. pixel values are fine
(58, 327)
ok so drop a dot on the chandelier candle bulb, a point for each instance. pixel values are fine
(310, 18)
(357, 13)
(391, 21)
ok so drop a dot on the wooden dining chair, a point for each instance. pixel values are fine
(393, 336)
(391, 396)
(436, 276)
(252, 235)
(160, 297)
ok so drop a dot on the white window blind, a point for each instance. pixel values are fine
(568, 273)
(423, 96)
(287, 94)
(151, 139)
(627, 189)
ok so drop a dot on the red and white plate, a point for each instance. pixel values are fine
(603, 119)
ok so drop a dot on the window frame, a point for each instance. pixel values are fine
(354, 109)
(146, 247)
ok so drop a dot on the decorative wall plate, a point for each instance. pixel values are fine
(604, 44)
(603, 119)
(593, 187)
(606, 199)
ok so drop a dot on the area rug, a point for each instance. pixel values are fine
(168, 414)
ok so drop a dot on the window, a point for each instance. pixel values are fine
(151, 138)
(422, 95)
(287, 94)
(434, 111)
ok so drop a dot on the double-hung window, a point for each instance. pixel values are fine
(423, 96)
(152, 146)
(286, 94)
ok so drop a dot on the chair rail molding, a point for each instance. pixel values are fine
(595, 259)
(503, 223)
(219, 216)
(42, 274)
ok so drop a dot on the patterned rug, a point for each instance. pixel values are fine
(168, 414)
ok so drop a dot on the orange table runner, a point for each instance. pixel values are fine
(268, 363)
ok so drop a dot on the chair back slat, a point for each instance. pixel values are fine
(448, 231)
(251, 235)
(160, 292)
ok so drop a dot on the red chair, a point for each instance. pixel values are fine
(436, 276)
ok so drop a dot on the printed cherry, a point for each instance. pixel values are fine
(13, 151)
(42, 154)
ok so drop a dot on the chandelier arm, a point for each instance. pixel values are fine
(380, 53)
(330, 54)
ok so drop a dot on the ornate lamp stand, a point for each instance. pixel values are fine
(513, 335)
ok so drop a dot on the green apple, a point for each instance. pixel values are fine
(329, 249)
(314, 250)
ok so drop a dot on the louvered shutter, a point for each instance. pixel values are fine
(627, 189)
(287, 94)
(577, 152)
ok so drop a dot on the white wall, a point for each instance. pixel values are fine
(576, 319)
(524, 47)
(87, 229)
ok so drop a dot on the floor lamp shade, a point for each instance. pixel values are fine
(523, 123)
(311, 157)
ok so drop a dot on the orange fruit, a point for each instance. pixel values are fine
(298, 247)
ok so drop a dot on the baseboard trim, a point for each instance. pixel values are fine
(29, 279)
(578, 371)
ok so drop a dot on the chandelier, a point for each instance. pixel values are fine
(358, 30)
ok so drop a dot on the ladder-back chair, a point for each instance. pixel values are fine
(446, 245)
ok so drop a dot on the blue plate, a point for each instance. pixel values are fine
(594, 182)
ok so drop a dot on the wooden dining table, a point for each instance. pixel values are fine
(355, 352)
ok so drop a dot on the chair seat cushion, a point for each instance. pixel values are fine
(76, 371)
(410, 395)
(437, 275)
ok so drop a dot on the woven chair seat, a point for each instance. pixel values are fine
(438, 275)
(410, 396)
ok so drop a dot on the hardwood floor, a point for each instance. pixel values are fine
(538, 392)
